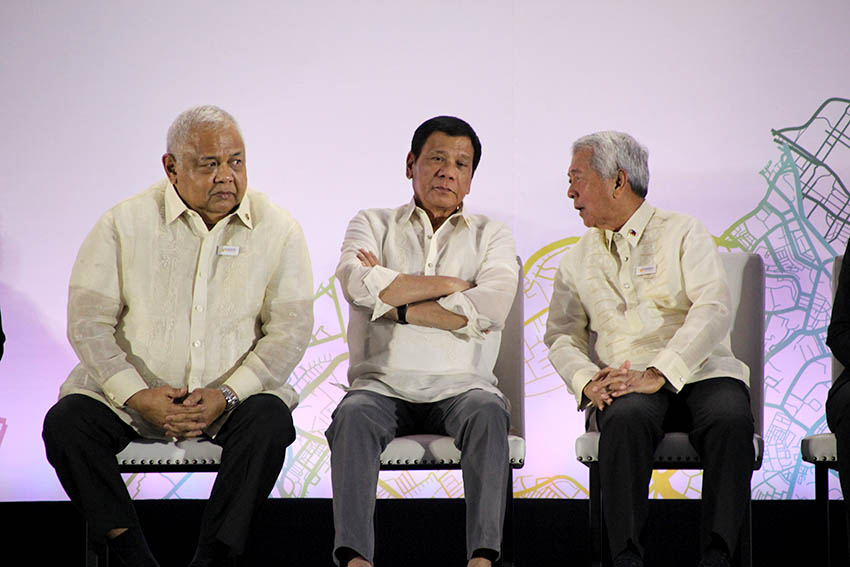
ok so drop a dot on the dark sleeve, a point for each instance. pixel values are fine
(2, 337)
(838, 335)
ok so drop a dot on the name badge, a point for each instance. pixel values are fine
(228, 250)
(647, 270)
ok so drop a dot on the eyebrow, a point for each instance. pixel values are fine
(203, 158)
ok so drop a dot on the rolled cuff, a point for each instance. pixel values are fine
(673, 367)
(376, 281)
(244, 383)
(120, 387)
(459, 304)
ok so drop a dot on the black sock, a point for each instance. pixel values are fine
(489, 554)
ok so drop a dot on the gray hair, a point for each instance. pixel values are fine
(182, 127)
(617, 150)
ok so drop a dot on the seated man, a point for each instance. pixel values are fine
(838, 400)
(189, 306)
(650, 287)
(430, 287)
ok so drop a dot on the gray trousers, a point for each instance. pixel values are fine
(363, 425)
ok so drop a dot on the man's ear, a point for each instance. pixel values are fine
(621, 180)
(169, 163)
(408, 170)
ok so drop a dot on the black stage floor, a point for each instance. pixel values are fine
(412, 533)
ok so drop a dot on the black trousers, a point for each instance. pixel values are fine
(838, 419)
(82, 436)
(717, 416)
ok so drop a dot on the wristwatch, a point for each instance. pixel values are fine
(231, 400)
(401, 310)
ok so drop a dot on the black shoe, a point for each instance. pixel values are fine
(130, 549)
(715, 558)
(628, 558)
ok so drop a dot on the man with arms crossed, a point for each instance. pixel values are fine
(430, 287)
(189, 306)
(650, 286)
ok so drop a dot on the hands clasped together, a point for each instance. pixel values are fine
(176, 411)
(611, 383)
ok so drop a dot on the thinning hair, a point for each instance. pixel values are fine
(181, 129)
(613, 151)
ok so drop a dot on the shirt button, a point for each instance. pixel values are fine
(430, 265)
(196, 344)
(627, 286)
(199, 308)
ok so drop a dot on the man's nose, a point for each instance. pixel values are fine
(448, 170)
(224, 173)
(571, 193)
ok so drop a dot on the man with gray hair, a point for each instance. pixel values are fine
(649, 286)
(189, 306)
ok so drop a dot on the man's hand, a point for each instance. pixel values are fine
(200, 408)
(598, 390)
(647, 382)
(156, 405)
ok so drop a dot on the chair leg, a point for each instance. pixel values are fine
(745, 540)
(822, 502)
(596, 527)
(509, 553)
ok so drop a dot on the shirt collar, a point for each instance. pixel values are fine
(411, 207)
(174, 207)
(634, 227)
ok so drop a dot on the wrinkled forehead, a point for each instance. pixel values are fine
(213, 141)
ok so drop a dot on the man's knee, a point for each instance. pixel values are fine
(488, 410)
(356, 415)
(270, 418)
(631, 413)
(65, 421)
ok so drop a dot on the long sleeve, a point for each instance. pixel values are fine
(94, 307)
(567, 334)
(486, 305)
(286, 321)
(362, 285)
(838, 333)
(709, 317)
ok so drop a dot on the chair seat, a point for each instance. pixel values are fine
(437, 451)
(674, 452)
(819, 448)
(174, 454)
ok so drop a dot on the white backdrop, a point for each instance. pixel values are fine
(328, 95)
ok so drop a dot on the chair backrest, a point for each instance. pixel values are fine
(745, 274)
(837, 367)
(510, 364)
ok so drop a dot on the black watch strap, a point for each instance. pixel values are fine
(402, 314)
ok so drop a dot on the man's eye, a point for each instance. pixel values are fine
(437, 158)
(461, 164)
(236, 162)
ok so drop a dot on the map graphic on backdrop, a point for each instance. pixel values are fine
(798, 227)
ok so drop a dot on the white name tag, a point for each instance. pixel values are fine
(228, 250)
(647, 270)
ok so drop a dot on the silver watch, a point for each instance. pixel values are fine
(231, 400)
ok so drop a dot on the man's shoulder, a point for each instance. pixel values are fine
(268, 213)
(485, 222)
(674, 218)
(140, 206)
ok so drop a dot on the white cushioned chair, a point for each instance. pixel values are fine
(821, 449)
(746, 282)
(432, 452)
